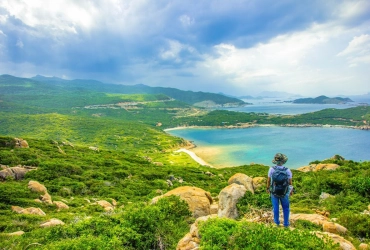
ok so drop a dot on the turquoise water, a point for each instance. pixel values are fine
(259, 144)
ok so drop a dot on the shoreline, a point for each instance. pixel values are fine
(242, 126)
(195, 157)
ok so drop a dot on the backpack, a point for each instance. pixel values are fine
(279, 182)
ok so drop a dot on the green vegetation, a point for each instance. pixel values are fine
(91, 142)
(323, 100)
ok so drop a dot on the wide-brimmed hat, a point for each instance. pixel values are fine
(280, 159)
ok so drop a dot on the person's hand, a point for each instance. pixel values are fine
(267, 190)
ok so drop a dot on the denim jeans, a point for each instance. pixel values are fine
(286, 210)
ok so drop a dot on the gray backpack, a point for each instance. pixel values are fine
(279, 182)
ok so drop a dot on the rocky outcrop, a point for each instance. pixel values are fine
(106, 205)
(60, 205)
(343, 243)
(199, 200)
(17, 233)
(259, 182)
(16, 173)
(320, 220)
(228, 198)
(36, 187)
(363, 246)
(191, 240)
(20, 143)
(324, 196)
(29, 210)
(242, 179)
(319, 167)
(52, 222)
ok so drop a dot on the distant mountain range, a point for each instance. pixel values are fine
(323, 100)
(57, 84)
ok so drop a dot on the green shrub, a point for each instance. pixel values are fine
(357, 224)
(230, 234)
(361, 185)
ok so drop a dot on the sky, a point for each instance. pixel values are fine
(236, 47)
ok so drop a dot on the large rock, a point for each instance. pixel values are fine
(320, 220)
(319, 167)
(16, 173)
(29, 210)
(46, 198)
(60, 205)
(242, 179)
(317, 219)
(20, 143)
(17, 233)
(36, 187)
(191, 240)
(343, 243)
(259, 182)
(332, 227)
(52, 222)
(106, 205)
(228, 198)
(199, 200)
(363, 246)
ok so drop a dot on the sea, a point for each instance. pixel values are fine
(302, 145)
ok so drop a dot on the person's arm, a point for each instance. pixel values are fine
(291, 186)
(268, 184)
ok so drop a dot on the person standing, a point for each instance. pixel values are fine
(279, 186)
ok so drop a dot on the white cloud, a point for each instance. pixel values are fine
(174, 50)
(300, 62)
(357, 51)
(186, 20)
(19, 44)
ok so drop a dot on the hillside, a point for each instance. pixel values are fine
(105, 156)
(322, 100)
(188, 97)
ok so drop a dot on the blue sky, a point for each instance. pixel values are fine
(238, 47)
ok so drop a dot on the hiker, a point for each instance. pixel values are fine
(279, 186)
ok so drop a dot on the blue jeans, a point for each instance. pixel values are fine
(286, 210)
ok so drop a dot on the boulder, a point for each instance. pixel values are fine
(319, 167)
(332, 227)
(20, 143)
(213, 208)
(16, 173)
(36, 187)
(324, 196)
(317, 219)
(199, 200)
(259, 182)
(363, 246)
(17, 209)
(18, 233)
(29, 210)
(343, 243)
(106, 205)
(46, 198)
(60, 205)
(52, 222)
(228, 198)
(242, 179)
(191, 240)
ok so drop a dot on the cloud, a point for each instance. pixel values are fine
(357, 51)
(235, 46)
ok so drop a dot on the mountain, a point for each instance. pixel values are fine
(189, 97)
(323, 100)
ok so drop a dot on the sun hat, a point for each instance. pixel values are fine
(280, 159)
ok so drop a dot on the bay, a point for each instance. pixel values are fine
(235, 147)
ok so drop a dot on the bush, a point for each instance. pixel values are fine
(357, 224)
(230, 234)
(361, 185)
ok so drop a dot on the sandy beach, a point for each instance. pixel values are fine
(194, 157)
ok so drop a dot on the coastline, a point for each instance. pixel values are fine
(307, 125)
(194, 156)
